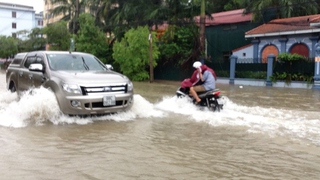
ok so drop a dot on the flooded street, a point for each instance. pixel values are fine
(262, 133)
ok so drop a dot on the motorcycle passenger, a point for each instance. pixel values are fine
(206, 78)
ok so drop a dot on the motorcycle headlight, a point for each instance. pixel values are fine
(72, 88)
(130, 86)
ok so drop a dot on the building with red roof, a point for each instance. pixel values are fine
(225, 32)
(226, 17)
(294, 35)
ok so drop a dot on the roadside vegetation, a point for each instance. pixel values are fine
(118, 31)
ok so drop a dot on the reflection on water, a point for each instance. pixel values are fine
(262, 133)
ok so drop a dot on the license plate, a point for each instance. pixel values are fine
(109, 100)
(219, 101)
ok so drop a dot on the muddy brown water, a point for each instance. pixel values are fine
(262, 133)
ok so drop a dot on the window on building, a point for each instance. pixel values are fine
(40, 23)
(244, 54)
(14, 35)
(14, 14)
(230, 27)
(14, 25)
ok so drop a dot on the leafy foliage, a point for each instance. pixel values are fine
(35, 41)
(91, 39)
(281, 8)
(290, 57)
(8, 47)
(178, 43)
(58, 36)
(288, 61)
(132, 53)
(70, 10)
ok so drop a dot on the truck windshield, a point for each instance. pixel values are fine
(74, 62)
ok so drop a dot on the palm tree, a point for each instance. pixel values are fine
(281, 8)
(102, 10)
(70, 10)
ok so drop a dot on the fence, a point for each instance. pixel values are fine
(287, 71)
(302, 70)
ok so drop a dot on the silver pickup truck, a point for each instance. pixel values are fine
(82, 84)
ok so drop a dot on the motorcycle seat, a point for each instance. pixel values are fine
(207, 93)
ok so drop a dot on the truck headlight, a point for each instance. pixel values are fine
(130, 86)
(72, 88)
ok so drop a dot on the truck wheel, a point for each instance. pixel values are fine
(12, 87)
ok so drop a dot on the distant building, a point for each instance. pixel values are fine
(17, 19)
(225, 32)
(295, 35)
(48, 16)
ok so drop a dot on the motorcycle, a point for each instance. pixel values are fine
(210, 99)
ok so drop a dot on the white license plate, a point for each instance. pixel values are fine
(109, 100)
(219, 101)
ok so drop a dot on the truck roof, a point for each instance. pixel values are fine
(20, 55)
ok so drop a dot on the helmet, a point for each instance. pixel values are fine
(197, 64)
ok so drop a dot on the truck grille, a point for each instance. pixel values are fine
(100, 104)
(113, 89)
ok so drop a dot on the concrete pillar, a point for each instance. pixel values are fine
(255, 43)
(233, 62)
(271, 58)
(313, 45)
(283, 42)
(316, 78)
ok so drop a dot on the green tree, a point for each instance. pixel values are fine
(35, 41)
(70, 10)
(8, 47)
(281, 8)
(132, 53)
(58, 36)
(91, 39)
(181, 47)
(235, 4)
(103, 10)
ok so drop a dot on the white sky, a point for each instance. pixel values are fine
(36, 4)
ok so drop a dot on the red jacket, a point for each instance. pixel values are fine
(194, 79)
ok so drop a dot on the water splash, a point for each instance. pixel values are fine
(39, 106)
(33, 107)
(271, 121)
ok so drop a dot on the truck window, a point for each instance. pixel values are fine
(30, 60)
(18, 58)
(16, 61)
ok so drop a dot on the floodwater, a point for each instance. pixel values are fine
(262, 133)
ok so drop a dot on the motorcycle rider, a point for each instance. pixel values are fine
(206, 79)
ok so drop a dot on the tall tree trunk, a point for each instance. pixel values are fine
(76, 18)
(150, 55)
(202, 27)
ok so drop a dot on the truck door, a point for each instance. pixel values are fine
(38, 78)
(24, 77)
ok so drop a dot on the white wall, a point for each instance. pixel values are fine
(244, 55)
(25, 19)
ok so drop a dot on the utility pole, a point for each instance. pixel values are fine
(202, 27)
(150, 55)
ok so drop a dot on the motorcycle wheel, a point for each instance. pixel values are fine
(214, 105)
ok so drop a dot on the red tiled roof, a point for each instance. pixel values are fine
(227, 17)
(286, 25)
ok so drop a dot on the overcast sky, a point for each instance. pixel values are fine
(36, 4)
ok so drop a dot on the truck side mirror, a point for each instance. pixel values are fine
(36, 67)
(109, 66)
